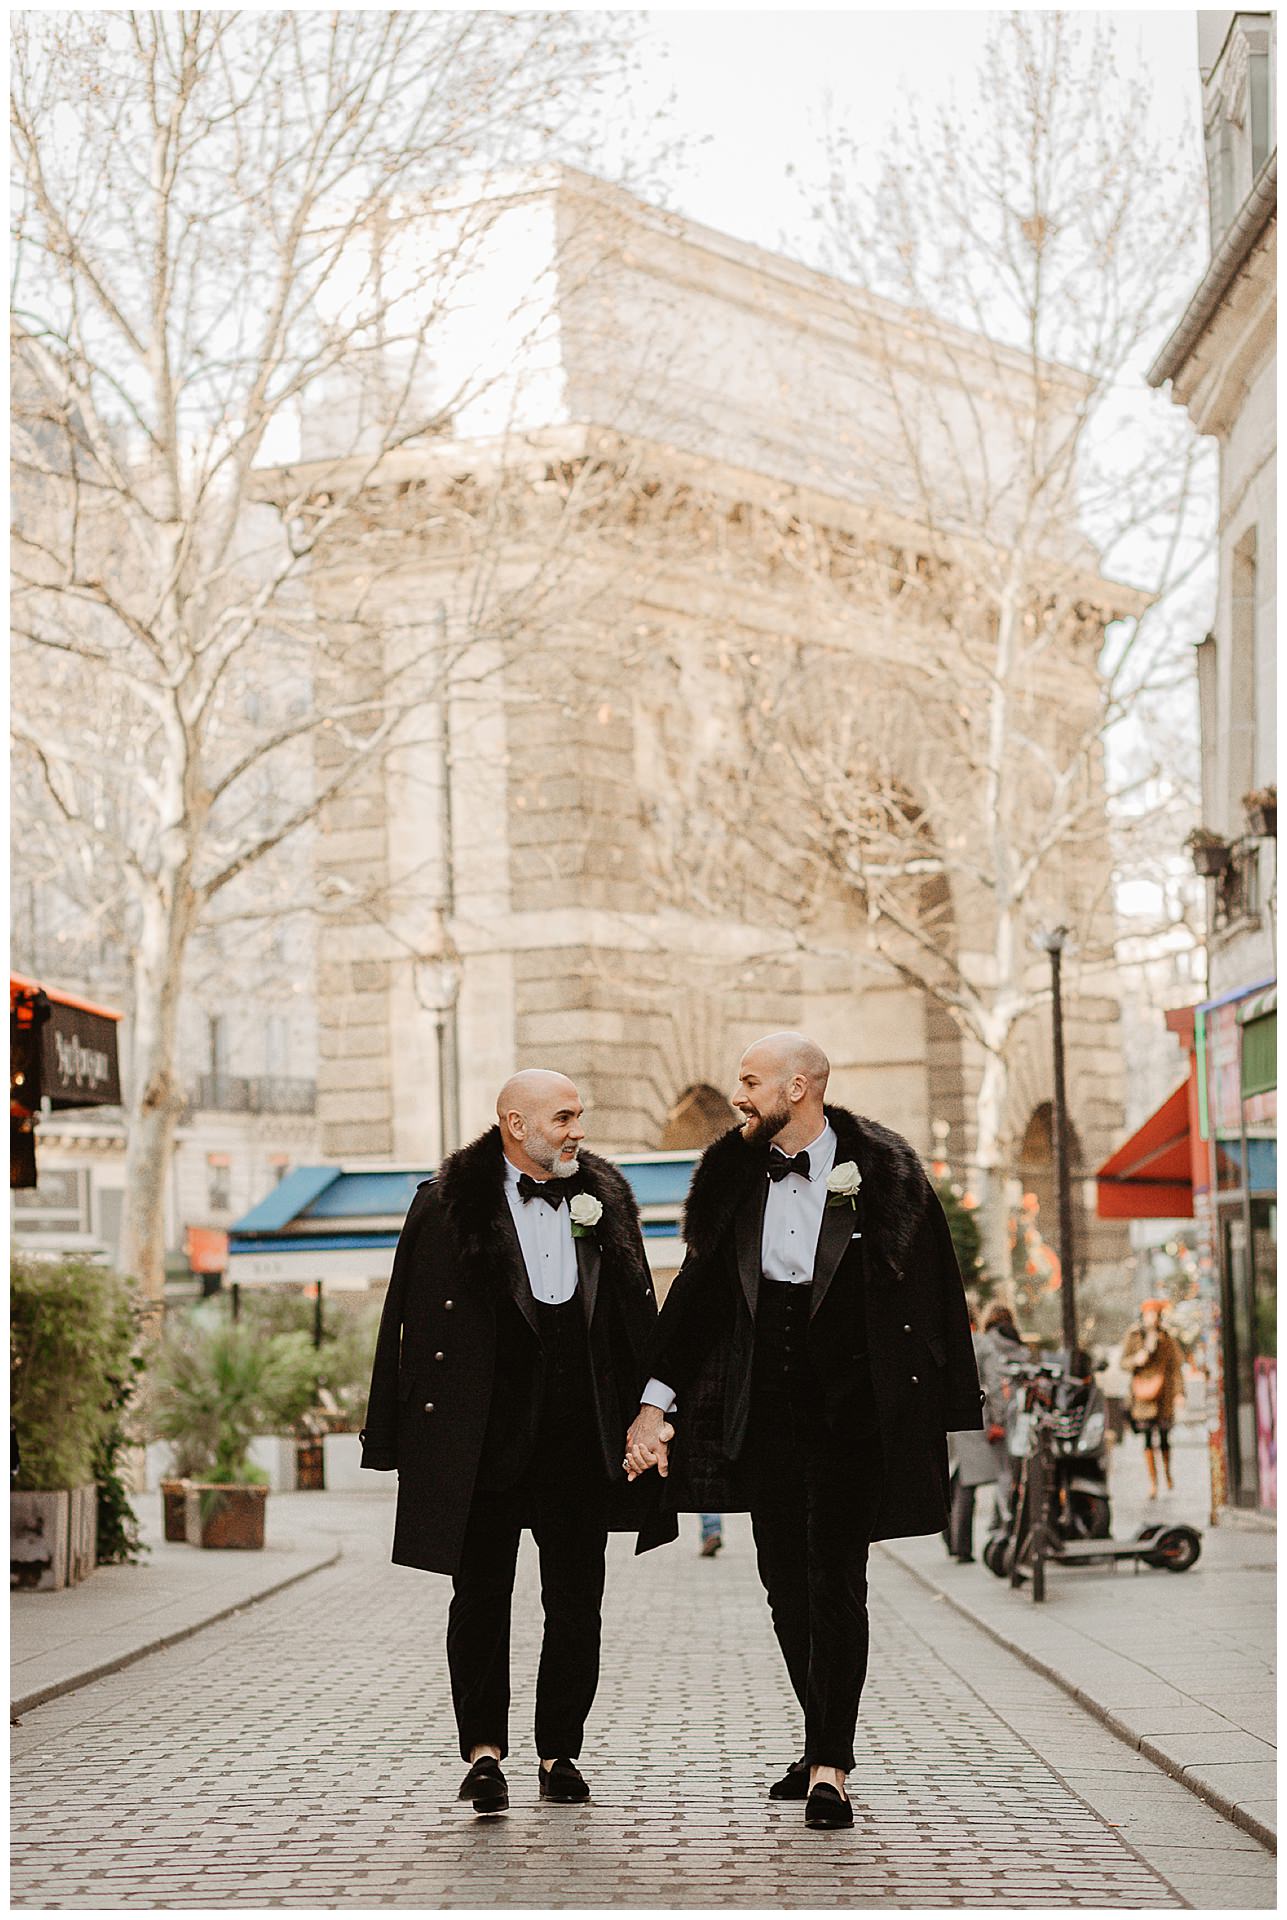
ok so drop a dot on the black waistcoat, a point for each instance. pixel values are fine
(542, 1410)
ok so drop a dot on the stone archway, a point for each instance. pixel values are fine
(1035, 1167)
(701, 1114)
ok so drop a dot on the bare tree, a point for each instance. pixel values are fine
(229, 227)
(928, 773)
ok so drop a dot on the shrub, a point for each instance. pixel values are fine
(72, 1333)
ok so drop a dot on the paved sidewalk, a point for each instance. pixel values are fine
(61, 1641)
(300, 1754)
(1180, 1666)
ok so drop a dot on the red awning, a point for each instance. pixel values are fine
(1150, 1176)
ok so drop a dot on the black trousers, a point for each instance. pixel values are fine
(562, 1499)
(812, 1517)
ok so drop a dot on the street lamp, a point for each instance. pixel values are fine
(1053, 943)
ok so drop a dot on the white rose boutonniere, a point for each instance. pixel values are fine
(843, 1183)
(586, 1214)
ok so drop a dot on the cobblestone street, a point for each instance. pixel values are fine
(301, 1754)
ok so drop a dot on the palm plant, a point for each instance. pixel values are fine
(217, 1389)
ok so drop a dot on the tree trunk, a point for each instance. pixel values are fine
(154, 1097)
(988, 1161)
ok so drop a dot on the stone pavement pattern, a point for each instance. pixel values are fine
(1183, 1666)
(56, 1639)
(301, 1755)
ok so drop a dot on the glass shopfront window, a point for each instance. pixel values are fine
(1242, 1109)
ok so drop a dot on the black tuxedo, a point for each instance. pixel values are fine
(501, 1413)
(823, 1409)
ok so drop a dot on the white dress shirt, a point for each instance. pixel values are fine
(545, 1237)
(793, 1211)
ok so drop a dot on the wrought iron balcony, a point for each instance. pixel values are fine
(268, 1093)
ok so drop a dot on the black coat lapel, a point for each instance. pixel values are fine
(749, 1240)
(516, 1269)
(839, 1224)
(586, 1248)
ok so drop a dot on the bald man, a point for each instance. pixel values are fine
(511, 1353)
(813, 1354)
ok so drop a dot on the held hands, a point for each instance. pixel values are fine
(648, 1443)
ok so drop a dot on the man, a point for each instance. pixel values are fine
(815, 1348)
(511, 1353)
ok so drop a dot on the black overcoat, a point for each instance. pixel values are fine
(457, 1269)
(886, 1294)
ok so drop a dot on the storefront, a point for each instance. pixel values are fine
(1236, 1046)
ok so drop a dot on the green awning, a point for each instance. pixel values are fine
(1258, 1006)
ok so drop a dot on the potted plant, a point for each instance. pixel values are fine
(1210, 852)
(1262, 812)
(217, 1389)
(72, 1335)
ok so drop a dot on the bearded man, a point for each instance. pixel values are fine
(511, 1352)
(813, 1354)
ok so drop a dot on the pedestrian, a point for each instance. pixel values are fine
(511, 1350)
(1155, 1364)
(712, 1535)
(970, 1456)
(815, 1349)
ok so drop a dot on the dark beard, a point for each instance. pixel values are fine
(769, 1125)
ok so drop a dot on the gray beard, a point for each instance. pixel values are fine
(546, 1155)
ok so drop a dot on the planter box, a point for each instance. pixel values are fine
(53, 1538)
(225, 1516)
(310, 1466)
(1210, 858)
(174, 1509)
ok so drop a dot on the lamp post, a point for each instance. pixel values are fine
(1053, 943)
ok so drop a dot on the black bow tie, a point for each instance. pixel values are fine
(780, 1165)
(553, 1192)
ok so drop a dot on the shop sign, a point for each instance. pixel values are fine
(79, 1065)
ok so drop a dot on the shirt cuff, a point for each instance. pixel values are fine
(657, 1394)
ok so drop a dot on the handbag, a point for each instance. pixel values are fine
(1146, 1388)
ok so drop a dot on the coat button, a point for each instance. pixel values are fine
(906, 1329)
(448, 1305)
(428, 1406)
(915, 1383)
(438, 1356)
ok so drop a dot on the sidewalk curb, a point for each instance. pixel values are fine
(1212, 1796)
(42, 1695)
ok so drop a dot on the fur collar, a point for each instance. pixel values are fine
(894, 1190)
(470, 1186)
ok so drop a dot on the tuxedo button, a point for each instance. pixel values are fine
(438, 1356)
(428, 1406)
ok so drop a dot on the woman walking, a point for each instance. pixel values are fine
(1152, 1359)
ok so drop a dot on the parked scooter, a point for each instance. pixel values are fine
(1077, 1505)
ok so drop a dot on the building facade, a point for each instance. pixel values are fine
(1220, 363)
(677, 474)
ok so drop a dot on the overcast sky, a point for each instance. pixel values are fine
(757, 83)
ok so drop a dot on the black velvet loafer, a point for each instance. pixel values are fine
(485, 1785)
(794, 1784)
(563, 1784)
(827, 1808)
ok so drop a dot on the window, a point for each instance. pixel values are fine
(1258, 109)
(218, 1183)
(217, 1030)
